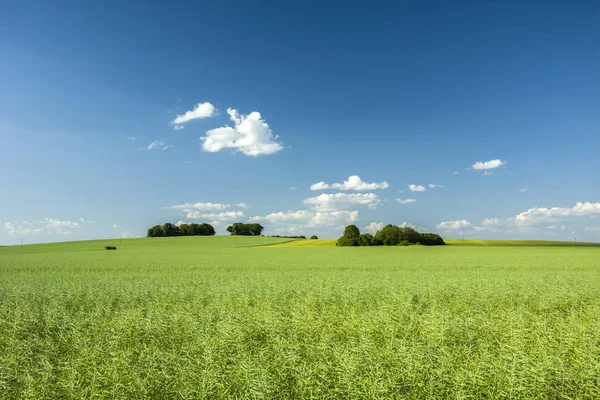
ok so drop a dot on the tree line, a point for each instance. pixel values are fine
(169, 229)
(390, 235)
(240, 229)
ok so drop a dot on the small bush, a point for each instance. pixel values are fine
(110, 247)
(314, 237)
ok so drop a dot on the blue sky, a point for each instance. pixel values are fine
(283, 96)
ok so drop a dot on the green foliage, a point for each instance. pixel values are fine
(170, 229)
(392, 235)
(110, 247)
(365, 239)
(156, 231)
(351, 237)
(288, 237)
(202, 317)
(431, 239)
(242, 229)
(314, 237)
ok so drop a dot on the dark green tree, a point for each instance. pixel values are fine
(365, 239)
(351, 237)
(170, 229)
(155, 231)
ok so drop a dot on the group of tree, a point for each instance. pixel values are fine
(241, 229)
(288, 237)
(390, 235)
(170, 229)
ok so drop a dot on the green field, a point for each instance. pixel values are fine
(216, 317)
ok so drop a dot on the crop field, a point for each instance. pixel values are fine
(226, 317)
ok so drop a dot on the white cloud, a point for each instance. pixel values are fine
(434, 186)
(159, 145)
(127, 235)
(537, 219)
(86, 221)
(592, 229)
(201, 206)
(488, 173)
(60, 227)
(48, 225)
(19, 230)
(455, 173)
(131, 138)
(523, 190)
(353, 183)
(406, 201)
(242, 205)
(200, 111)
(453, 225)
(293, 188)
(251, 136)
(342, 201)
(179, 127)
(309, 219)
(416, 188)
(114, 225)
(542, 214)
(488, 164)
(227, 215)
(373, 227)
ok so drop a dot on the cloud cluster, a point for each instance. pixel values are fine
(48, 225)
(434, 186)
(416, 188)
(453, 225)
(342, 201)
(533, 220)
(159, 145)
(210, 211)
(492, 164)
(250, 135)
(310, 218)
(353, 183)
(200, 111)
(406, 201)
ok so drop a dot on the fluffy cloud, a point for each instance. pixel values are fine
(342, 201)
(453, 225)
(373, 227)
(19, 230)
(434, 186)
(406, 201)
(416, 188)
(201, 110)
(523, 190)
(492, 164)
(202, 206)
(488, 173)
(307, 219)
(227, 215)
(86, 221)
(542, 214)
(60, 227)
(251, 136)
(353, 183)
(159, 145)
(537, 219)
(48, 225)
(455, 173)
(210, 211)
